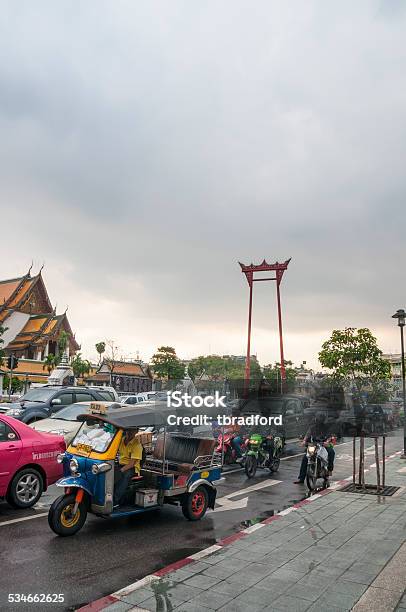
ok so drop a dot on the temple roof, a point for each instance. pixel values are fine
(120, 368)
(28, 295)
(15, 294)
(39, 329)
(7, 288)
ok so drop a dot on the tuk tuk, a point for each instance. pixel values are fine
(181, 470)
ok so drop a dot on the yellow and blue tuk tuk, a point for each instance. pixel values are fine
(180, 470)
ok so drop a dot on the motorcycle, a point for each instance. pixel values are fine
(258, 454)
(226, 441)
(317, 465)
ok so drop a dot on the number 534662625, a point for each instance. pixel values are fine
(36, 598)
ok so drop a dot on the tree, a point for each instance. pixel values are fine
(111, 359)
(216, 368)
(273, 377)
(50, 362)
(80, 366)
(16, 384)
(167, 364)
(63, 342)
(100, 348)
(212, 366)
(354, 358)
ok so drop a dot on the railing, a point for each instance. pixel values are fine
(208, 461)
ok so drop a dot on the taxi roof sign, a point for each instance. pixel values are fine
(98, 408)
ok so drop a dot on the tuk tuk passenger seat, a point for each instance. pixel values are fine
(181, 451)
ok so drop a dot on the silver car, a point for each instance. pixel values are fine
(65, 423)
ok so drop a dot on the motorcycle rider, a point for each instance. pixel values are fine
(318, 430)
(267, 432)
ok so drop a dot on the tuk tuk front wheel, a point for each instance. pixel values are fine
(60, 517)
(195, 504)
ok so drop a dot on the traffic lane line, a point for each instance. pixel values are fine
(42, 514)
(25, 518)
(282, 459)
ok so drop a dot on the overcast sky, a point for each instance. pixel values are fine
(147, 147)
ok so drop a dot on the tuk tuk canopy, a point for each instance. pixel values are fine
(131, 418)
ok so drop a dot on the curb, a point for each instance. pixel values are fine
(105, 602)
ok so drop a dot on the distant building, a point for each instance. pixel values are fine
(240, 358)
(124, 376)
(395, 362)
(304, 379)
(32, 326)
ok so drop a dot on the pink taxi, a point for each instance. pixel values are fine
(27, 462)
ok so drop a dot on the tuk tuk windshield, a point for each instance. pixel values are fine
(95, 434)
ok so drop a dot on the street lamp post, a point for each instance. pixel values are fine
(400, 315)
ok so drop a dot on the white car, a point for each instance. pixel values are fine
(65, 423)
(130, 400)
(146, 396)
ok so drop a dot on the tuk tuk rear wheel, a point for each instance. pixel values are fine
(60, 518)
(195, 504)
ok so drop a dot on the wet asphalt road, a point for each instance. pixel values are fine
(107, 555)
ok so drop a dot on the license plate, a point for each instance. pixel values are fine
(84, 448)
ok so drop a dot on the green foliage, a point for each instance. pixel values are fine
(50, 362)
(354, 353)
(100, 348)
(353, 356)
(16, 384)
(63, 342)
(80, 366)
(167, 365)
(272, 375)
(217, 368)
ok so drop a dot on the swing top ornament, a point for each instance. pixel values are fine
(278, 268)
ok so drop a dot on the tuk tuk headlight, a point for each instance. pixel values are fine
(74, 466)
(60, 458)
(99, 468)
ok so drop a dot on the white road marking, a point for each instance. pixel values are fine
(226, 503)
(282, 459)
(25, 518)
(254, 487)
(229, 504)
(42, 514)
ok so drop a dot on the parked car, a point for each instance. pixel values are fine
(131, 399)
(42, 402)
(148, 395)
(107, 392)
(65, 423)
(27, 462)
(290, 406)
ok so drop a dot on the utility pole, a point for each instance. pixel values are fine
(11, 368)
(400, 315)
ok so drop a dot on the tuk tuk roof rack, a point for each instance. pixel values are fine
(132, 418)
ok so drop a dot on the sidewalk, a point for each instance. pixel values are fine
(337, 551)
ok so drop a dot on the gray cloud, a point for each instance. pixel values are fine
(147, 147)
